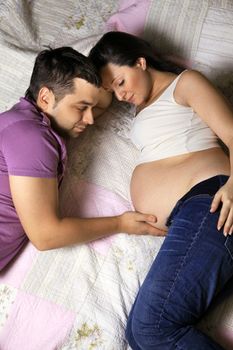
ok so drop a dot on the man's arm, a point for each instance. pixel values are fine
(105, 99)
(36, 203)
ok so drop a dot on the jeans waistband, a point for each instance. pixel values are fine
(209, 186)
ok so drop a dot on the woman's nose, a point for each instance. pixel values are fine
(119, 94)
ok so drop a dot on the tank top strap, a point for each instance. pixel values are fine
(168, 92)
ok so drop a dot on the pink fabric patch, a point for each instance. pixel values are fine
(102, 245)
(89, 200)
(130, 17)
(15, 272)
(46, 328)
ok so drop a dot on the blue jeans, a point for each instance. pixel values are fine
(193, 265)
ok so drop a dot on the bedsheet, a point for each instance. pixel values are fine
(75, 297)
(79, 297)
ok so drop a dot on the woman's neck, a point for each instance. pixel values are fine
(160, 81)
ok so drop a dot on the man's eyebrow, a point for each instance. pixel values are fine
(83, 102)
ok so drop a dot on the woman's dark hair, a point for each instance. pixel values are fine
(57, 68)
(124, 49)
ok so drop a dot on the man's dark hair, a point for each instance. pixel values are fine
(57, 68)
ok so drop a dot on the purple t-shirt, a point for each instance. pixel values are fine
(28, 147)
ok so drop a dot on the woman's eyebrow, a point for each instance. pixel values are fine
(114, 78)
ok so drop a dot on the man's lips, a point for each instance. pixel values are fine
(79, 129)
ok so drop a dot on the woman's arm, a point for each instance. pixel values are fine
(196, 91)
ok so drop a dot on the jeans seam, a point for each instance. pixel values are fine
(180, 203)
(227, 248)
(182, 263)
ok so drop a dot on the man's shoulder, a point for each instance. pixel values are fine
(24, 124)
(24, 117)
(23, 111)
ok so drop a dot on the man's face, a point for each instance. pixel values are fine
(73, 113)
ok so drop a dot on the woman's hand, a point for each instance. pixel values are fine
(139, 224)
(224, 196)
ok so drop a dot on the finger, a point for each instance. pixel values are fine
(223, 215)
(146, 217)
(215, 202)
(231, 230)
(228, 224)
(154, 231)
(151, 218)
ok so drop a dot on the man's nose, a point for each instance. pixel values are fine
(88, 117)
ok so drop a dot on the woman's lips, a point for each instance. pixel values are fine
(131, 99)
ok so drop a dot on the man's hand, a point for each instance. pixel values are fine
(139, 224)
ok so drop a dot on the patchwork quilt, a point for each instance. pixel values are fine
(79, 297)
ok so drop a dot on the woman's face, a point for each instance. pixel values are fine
(130, 84)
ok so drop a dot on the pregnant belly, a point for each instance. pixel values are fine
(157, 186)
(156, 195)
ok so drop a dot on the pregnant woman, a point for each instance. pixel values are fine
(185, 179)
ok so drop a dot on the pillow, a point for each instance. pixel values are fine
(130, 17)
(33, 24)
(27, 27)
(173, 26)
(198, 31)
(214, 55)
(104, 155)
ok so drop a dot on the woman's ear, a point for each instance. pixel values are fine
(141, 62)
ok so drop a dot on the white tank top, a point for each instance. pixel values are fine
(166, 129)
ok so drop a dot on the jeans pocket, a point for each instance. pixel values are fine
(229, 245)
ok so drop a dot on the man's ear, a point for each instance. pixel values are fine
(44, 99)
(141, 62)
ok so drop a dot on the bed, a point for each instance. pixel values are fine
(79, 297)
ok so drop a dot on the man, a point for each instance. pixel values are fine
(63, 93)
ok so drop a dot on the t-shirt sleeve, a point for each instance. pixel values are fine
(30, 149)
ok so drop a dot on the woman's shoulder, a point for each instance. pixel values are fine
(191, 76)
(189, 80)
